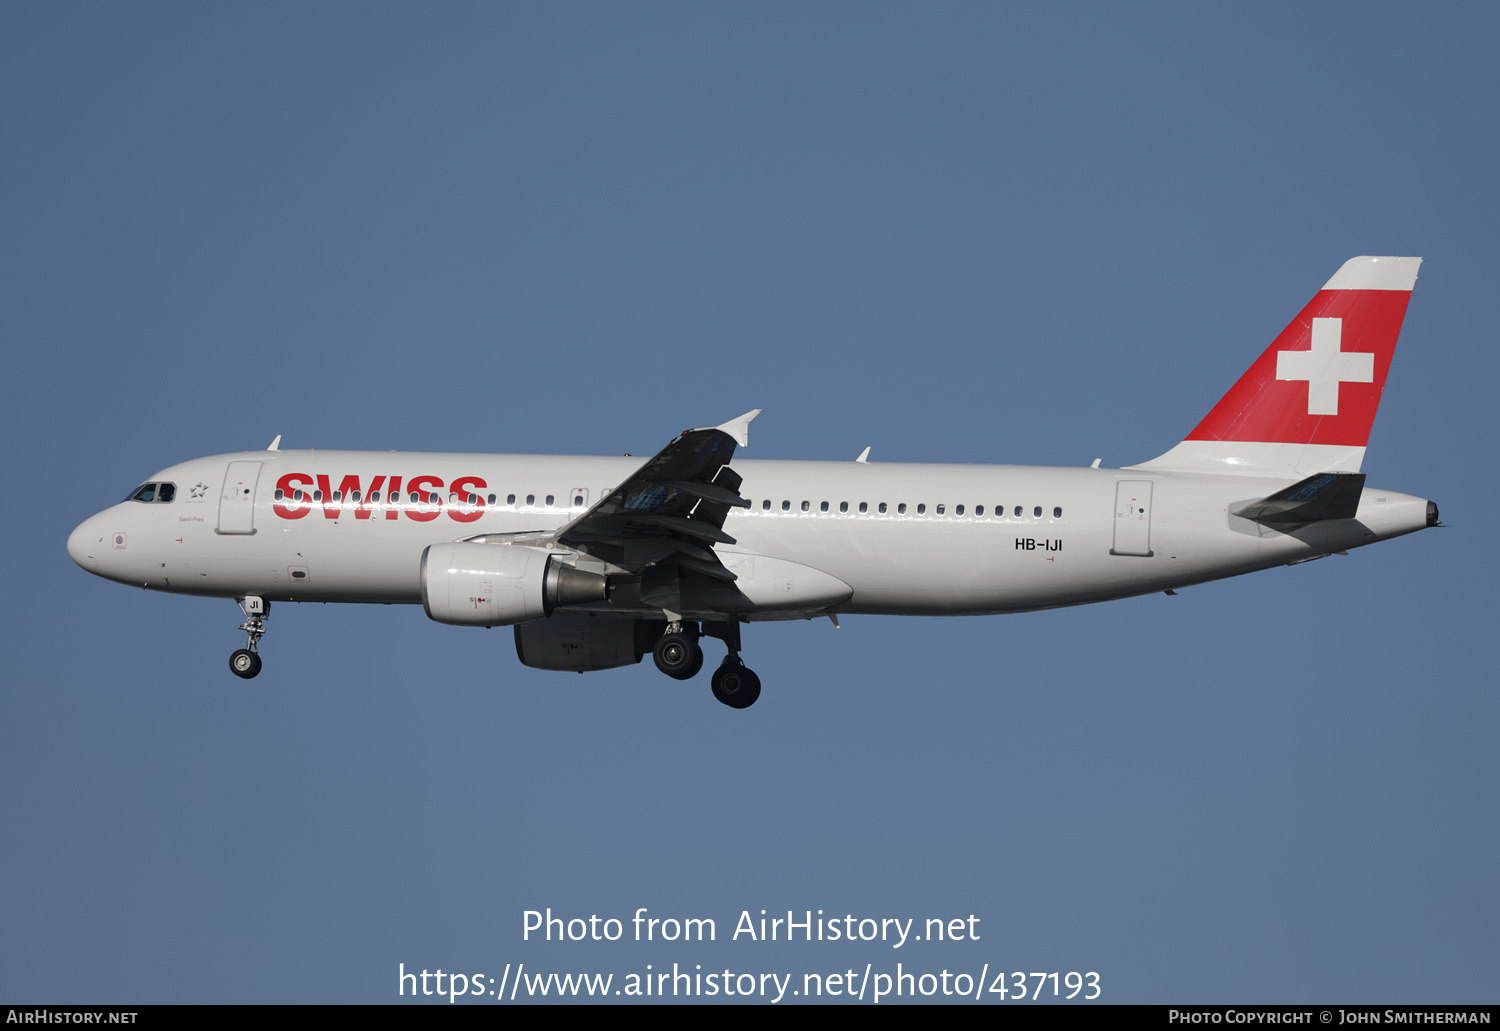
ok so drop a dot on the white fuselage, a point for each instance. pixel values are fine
(907, 539)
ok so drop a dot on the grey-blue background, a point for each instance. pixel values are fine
(956, 232)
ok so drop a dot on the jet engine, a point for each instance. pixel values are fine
(469, 584)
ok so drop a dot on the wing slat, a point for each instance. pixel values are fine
(709, 492)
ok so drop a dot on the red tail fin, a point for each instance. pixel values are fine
(1307, 404)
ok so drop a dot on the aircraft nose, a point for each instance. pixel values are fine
(83, 545)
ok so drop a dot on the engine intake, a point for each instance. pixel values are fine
(468, 584)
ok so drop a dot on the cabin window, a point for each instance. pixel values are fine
(765, 506)
(317, 495)
(1037, 511)
(978, 510)
(280, 494)
(549, 500)
(1018, 511)
(901, 508)
(864, 506)
(843, 506)
(940, 510)
(823, 507)
(958, 510)
(297, 495)
(577, 500)
(806, 505)
(786, 506)
(882, 508)
(1057, 512)
(531, 499)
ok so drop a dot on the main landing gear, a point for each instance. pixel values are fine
(736, 684)
(245, 663)
(678, 655)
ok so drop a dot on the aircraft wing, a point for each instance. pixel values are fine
(673, 507)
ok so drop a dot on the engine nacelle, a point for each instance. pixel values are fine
(581, 643)
(468, 584)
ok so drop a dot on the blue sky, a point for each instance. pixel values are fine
(955, 233)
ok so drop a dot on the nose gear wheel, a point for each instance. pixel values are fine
(245, 663)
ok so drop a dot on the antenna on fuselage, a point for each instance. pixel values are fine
(275, 444)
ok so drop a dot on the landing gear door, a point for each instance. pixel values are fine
(1132, 518)
(237, 499)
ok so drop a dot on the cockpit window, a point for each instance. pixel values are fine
(154, 492)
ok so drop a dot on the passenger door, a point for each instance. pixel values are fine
(237, 499)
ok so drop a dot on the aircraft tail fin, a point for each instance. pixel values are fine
(1307, 404)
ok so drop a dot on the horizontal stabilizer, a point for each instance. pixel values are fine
(1324, 496)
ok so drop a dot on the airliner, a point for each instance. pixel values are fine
(597, 561)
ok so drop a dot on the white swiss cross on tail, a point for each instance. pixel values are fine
(1325, 366)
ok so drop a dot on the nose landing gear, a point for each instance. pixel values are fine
(245, 663)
